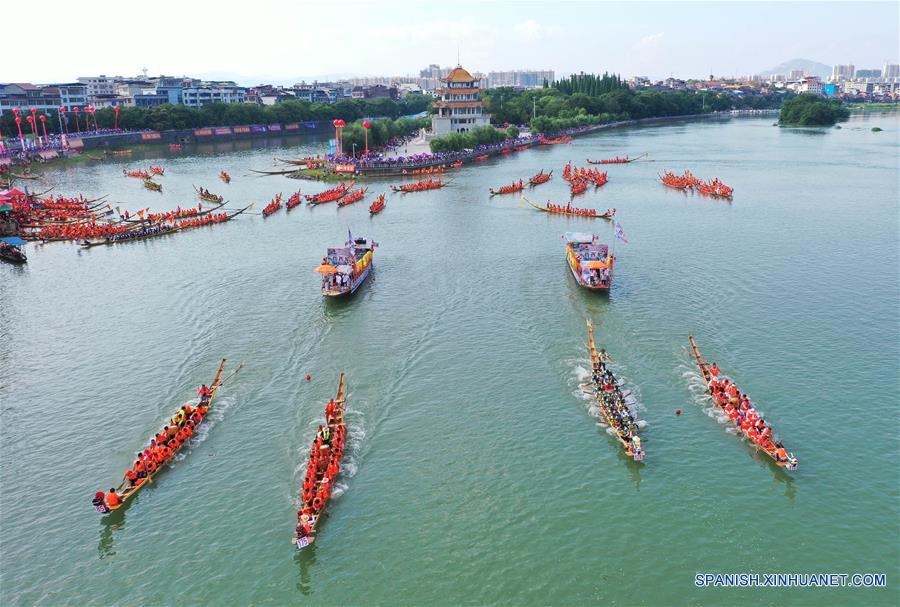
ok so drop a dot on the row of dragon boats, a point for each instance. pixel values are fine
(614, 404)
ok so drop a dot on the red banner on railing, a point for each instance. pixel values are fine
(292, 126)
(202, 132)
(223, 130)
(151, 136)
(345, 168)
(241, 129)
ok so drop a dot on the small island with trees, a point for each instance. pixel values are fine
(807, 109)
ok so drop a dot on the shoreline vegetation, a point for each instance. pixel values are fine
(169, 117)
(589, 100)
(808, 109)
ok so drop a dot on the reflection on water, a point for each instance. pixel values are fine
(305, 560)
(109, 525)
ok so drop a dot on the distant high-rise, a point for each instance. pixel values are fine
(796, 75)
(519, 78)
(891, 70)
(839, 73)
(868, 73)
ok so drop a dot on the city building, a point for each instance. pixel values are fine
(460, 107)
(24, 96)
(71, 94)
(890, 71)
(212, 92)
(527, 79)
(811, 84)
(101, 85)
(858, 88)
(840, 73)
(374, 91)
(796, 75)
(868, 73)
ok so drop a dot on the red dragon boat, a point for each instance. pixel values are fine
(540, 177)
(508, 189)
(294, 200)
(419, 186)
(571, 211)
(351, 197)
(555, 141)
(322, 468)
(377, 206)
(331, 195)
(616, 160)
(272, 206)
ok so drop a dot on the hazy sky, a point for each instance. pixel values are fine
(282, 41)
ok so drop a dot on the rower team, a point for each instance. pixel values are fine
(612, 401)
(161, 449)
(743, 414)
(323, 466)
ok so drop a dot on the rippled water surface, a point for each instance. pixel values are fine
(476, 474)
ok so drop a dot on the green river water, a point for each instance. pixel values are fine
(476, 474)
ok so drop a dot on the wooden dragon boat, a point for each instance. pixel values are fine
(377, 206)
(572, 211)
(611, 401)
(508, 189)
(322, 469)
(183, 214)
(617, 159)
(332, 195)
(540, 178)
(138, 174)
(126, 491)
(143, 234)
(207, 195)
(152, 185)
(225, 177)
(294, 200)
(730, 406)
(555, 141)
(419, 186)
(273, 206)
(351, 197)
(158, 171)
(25, 176)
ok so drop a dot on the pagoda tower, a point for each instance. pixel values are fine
(460, 107)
